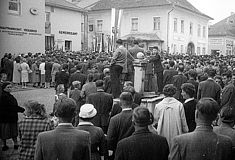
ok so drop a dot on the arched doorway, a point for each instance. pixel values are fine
(191, 49)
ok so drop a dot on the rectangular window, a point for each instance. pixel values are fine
(49, 42)
(68, 45)
(156, 23)
(199, 31)
(14, 6)
(82, 27)
(191, 28)
(175, 24)
(47, 16)
(182, 48)
(99, 25)
(134, 24)
(204, 31)
(198, 50)
(182, 26)
(204, 50)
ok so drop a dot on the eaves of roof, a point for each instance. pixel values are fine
(77, 9)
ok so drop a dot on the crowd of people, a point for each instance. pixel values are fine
(97, 113)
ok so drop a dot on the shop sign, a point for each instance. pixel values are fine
(67, 32)
(16, 31)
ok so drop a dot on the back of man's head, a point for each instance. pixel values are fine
(66, 109)
(99, 83)
(171, 63)
(126, 99)
(129, 89)
(181, 68)
(90, 77)
(136, 42)
(211, 73)
(207, 109)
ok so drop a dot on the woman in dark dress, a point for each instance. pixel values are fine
(8, 116)
(98, 143)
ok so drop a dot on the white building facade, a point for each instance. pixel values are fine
(63, 26)
(22, 26)
(171, 27)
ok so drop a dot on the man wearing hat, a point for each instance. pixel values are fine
(120, 125)
(77, 76)
(98, 141)
(65, 141)
(142, 144)
(118, 65)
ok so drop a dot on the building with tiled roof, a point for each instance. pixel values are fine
(222, 36)
(176, 25)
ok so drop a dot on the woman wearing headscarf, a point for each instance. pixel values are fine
(35, 122)
(8, 116)
(169, 115)
(98, 143)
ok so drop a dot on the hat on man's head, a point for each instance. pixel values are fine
(142, 117)
(119, 41)
(87, 111)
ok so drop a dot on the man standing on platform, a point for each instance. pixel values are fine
(118, 64)
(136, 49)
(158, 68)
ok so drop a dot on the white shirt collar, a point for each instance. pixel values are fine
(126, 109)
(65, 124)
(187, 100)
(85, 123)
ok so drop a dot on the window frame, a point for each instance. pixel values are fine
(18, 3)
(204, 31)
(175, 25)
(132, 28)
(156, 24)
(199, 30)
(97, 25)
(182, 28)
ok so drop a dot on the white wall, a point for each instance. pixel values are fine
(66, 20)
(22, 43)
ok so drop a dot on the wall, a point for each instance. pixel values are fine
(179, 38)
(22, 41)
(65, 20)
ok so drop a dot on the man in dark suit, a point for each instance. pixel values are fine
(202, 143)
(178, 80)
(169, 73)
(228, 92)
(209, 88)
(65, 141)
(78, 76)
(136, 49)
(142, 144)
(158, 68)
(188, 91)
(192, 74)
(103, 103)
(62, 77)
(120, 125)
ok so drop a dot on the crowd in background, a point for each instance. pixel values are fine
(198, 93)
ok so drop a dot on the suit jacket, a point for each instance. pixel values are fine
(136, 49)
(55, 68)
(62, 78)
(195, 83)
(142, 145)
(178, 80)
(202, 144)
(189, 110)
(228, 96)
(120, 127)
(209, 88)
(77, 76)
(64, 143)
(103, 103)
(168, 76)
(157, 63)
(226, 130)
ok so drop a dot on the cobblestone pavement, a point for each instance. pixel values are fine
(44, 96)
